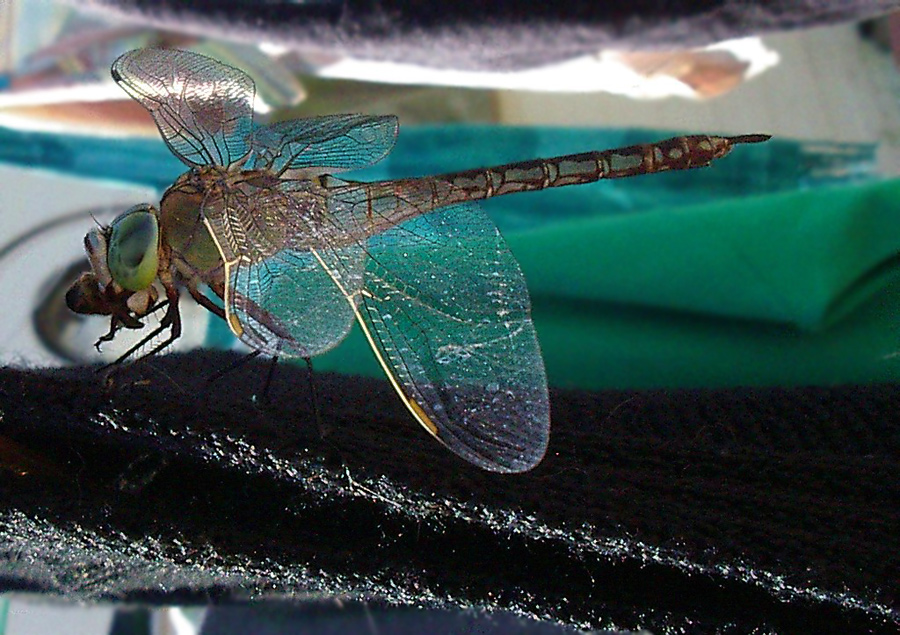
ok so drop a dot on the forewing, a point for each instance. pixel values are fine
(203, 108)
(332, 143)
(447, 312)
(281, 295)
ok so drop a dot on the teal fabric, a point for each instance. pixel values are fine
(778, 165)
(784, 289)
(138, 161)
(775, 266)
(774, 166)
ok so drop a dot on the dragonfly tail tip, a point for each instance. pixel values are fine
(750, 138)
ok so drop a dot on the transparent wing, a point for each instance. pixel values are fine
(440, 298)
(447, 312)
(203, 108)
(280, 295)
(332, 143)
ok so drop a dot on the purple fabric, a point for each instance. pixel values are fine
(504, 34)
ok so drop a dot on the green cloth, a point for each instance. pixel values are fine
(673, 279)
(783, 289)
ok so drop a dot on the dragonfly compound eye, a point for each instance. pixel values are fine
(133, 249)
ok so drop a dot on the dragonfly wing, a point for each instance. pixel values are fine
(203, 108)
(447, 312)
(280, 295)
(332, 143)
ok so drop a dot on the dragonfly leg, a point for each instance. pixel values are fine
(110, 335)
(269, 376)
(123, 320)
(171, 320)
(233, 366)
(332, 453)
(324, 430)
(243, 360)
(205, 302)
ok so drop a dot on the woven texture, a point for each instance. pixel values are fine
(765, 509)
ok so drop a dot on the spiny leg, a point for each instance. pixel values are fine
(213, 308)
(110, 335)
(109, 370)
(313, 400)
(205, 302)
(210, 306)
(324, 431)
(117, 322)
(269, 376)
(216, 376)
(171, 320)
(333, 454)
(218, 311)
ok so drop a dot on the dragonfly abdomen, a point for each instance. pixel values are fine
(677, 153)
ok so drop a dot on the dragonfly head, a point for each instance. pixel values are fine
(132, 248)
(124, 259)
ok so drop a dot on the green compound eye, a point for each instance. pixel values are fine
(133, 248)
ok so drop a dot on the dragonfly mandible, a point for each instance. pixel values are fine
(297, 255)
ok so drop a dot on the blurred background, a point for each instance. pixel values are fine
(775, 266)
(733, 275)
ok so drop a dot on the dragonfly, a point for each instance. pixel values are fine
(297, 255)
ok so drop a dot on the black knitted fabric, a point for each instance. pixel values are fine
(710, 509)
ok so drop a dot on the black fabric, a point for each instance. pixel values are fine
(481, 34)
(770, 509)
